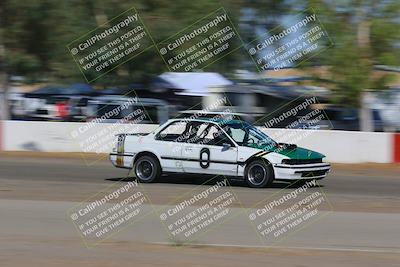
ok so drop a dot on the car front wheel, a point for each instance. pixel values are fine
(147, 169)
(259, 174)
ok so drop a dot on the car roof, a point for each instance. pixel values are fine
(213, 120)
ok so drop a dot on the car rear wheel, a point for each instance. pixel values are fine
(259, 174)
(147, 169)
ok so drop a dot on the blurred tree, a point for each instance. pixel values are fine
(257, 18)
(4, 108)
(36, 33)
(365, 34)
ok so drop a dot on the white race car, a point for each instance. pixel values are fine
(231, 148)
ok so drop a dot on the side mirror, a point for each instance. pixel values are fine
(226, 146)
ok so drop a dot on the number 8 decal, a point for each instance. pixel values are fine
(204, 163)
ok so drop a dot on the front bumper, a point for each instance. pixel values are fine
(301, 172)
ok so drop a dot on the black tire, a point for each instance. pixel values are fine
(147, 169)
(258, 174)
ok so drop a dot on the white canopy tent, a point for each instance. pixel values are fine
(193, 83)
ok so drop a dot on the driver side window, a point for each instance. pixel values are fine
(238, 135)
(216, 137)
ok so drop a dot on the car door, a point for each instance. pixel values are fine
(210, 152)
(168, 144)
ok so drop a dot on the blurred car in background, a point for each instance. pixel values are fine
(346, 119)
(111, 109)
(253, 100)
(50, 107)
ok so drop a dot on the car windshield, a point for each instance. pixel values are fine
(245, 134)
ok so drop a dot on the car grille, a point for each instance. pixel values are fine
(301, 161)
(313, 173)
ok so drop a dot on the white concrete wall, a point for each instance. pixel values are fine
(338, 146)
(58, 136)
(341, 146)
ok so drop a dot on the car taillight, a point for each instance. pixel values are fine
(120, 143)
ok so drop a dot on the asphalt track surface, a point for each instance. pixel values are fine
(359, 227)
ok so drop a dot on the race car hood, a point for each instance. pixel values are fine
(299, 153)
(292, 151)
